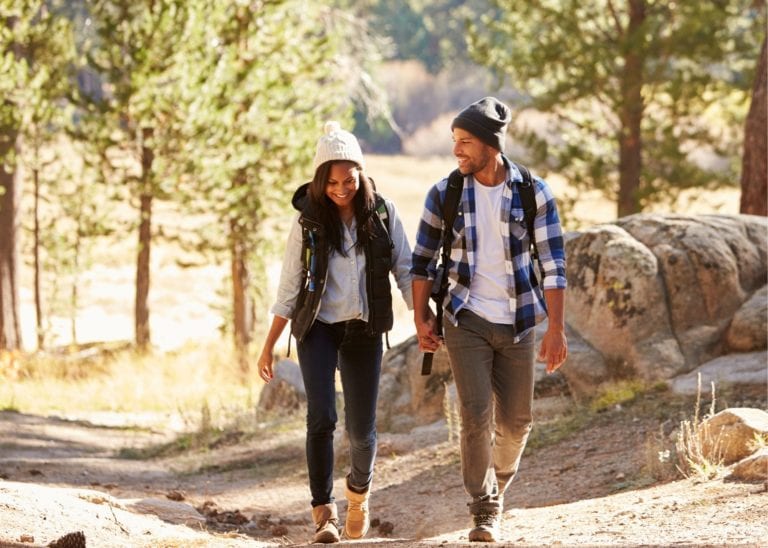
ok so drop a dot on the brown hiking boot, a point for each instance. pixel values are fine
(486, 528)
(326, 519)
(358, 517)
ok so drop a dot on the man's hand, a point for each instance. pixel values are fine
(426, 330)
(423, 317)
(554, 349)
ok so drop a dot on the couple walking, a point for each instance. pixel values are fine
(335, 292)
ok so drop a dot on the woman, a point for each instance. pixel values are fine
(335, 290)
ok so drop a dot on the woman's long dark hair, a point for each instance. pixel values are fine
(328, 214)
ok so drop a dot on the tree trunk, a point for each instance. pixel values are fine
(242, 307)
(145, 242)
(754, 164)
(631, 116)
(36, 253)
(73, 294)
(242, 303)
(10, 332)
(142, 273)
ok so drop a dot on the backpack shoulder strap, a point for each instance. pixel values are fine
(528, 197)
(452, 199)
(450, 209)
(382, 211)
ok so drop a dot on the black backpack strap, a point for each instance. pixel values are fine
(450, 209)
(528, 197)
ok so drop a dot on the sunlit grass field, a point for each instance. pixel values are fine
(192, 372)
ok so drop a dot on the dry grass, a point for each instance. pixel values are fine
(699, 451)
(189, 389)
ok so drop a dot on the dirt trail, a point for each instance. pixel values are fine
(590, 489)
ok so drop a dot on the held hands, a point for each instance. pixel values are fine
(426, 330)
(553, 350)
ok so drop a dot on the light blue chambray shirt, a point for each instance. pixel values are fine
(344, 294)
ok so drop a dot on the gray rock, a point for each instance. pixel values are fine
(731, 369)
(168, 510)
(286, 390)
(749, 329)
(752, 468)
(730, 435)
(616, 301)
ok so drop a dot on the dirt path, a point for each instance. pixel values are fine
(62, 476)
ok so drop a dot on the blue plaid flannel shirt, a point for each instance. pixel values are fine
(525, 298)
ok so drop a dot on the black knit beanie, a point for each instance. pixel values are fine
(487, 120)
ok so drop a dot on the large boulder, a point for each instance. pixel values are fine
(406, 397)
(285, 392)
(585, 368)
(743, 369)
(659, 295)
(616, 301)
(710, 265)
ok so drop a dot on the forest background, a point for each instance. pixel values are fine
(150, 149)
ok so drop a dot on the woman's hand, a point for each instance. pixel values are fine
(265, 365)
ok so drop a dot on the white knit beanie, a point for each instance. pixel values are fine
(337, 144)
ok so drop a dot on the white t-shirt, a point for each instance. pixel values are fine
(488, 295)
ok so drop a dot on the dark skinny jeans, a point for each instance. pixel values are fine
(346, 346)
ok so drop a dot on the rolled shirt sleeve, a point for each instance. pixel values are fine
(401, 255)
(291, 275)
(548, 235)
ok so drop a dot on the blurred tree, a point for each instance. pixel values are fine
(754, 170)
(133, 50)
(37, 54)
(256, 83)
(50, 55)
(641, 93)
(10, 120)
(431, 31)
(433, 34)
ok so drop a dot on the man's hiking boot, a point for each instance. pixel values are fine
(326, 519)
(358, 517)
(486, 527)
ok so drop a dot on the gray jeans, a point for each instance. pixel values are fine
(494, 381)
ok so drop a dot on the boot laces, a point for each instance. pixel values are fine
(486, 519)
(323, 524)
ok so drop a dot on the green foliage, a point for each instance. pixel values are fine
(431, 31)
(616, 394)
(683, 68)
(36, 56)
(132, 47)
(255, 87)
(38, 65)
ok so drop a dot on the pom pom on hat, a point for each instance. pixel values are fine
(337, 144)
(331, 126)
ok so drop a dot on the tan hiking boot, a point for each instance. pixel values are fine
(326, 518)
(358, 518)
(486, 528)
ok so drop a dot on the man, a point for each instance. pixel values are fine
(492, 305)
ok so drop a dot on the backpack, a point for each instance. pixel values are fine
(450, 208)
